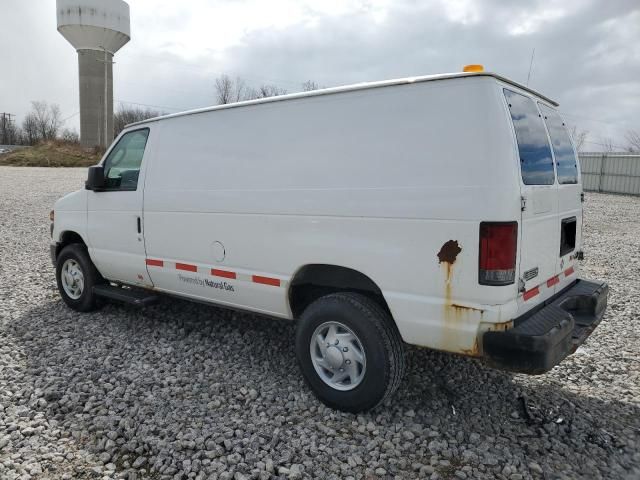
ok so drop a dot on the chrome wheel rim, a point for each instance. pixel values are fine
(337, 356)
(72, 279)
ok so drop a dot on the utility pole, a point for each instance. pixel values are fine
(106, 103)
(6, 129)
(106, 63)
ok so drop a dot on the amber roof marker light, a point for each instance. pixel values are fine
(473, 68)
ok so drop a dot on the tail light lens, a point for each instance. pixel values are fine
(498, 245)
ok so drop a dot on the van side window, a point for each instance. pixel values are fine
(566, 161)
(122, 166)
(536, 162)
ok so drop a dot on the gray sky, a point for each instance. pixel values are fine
(587, 52)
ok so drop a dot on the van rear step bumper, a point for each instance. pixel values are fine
(544, 337)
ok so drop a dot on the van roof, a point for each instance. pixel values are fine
(348, 88)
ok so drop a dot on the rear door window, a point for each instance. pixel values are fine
(566, 162)
(536, 162)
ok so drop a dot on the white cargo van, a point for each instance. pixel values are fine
(442, 211)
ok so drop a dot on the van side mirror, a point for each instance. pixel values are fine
(95, 179)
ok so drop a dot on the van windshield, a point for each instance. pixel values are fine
(536, 162)
(566, 162)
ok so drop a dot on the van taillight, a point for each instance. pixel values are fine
(498, 245)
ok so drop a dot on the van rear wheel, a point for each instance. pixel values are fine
(350, 351)
(76, 276)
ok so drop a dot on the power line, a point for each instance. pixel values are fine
(589, 119)
(208, 72)
(152, 106)
(605, 144)
(174, 87)
(70, 116)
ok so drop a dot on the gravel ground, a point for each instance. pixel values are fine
(182, 390)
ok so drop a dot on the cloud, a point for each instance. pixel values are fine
(585, 54)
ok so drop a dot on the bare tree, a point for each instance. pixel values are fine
(40, 110)
(46, 118)
(70, 136)
(310, 85)
(633, 141)
(55, 121)
(30, 131)
(126, 115)
(240, 91)
(224, 89)
(579, 137)
(608, 145)
(228, 90)
(264, 91)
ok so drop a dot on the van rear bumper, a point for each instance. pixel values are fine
(542, 338)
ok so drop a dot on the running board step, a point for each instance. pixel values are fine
(136, 297)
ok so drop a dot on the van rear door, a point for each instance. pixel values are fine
(569, 196)
(540, 224)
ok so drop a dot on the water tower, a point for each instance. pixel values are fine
(97, 29)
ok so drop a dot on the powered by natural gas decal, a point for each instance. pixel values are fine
(205, 282)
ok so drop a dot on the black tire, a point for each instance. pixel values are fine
(380, 339)
(87, 301)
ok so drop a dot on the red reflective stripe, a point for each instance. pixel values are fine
(568, 271)
(530, 293)
(186, 267)
(155, 263)
(266, 280)
(552, 281)
(223, 273)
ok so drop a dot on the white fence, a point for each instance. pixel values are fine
(611, 172)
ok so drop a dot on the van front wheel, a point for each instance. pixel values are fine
(349, 351)
(76, 276)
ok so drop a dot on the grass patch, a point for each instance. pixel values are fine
(55, 153)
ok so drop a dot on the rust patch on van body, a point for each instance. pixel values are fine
(458, 317)
(455, 315)
(449, 252)
(464, 308)
(447, 256)
(501, 327)
(476, 348)
(474, 351)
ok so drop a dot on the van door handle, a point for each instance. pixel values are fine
(139, 225)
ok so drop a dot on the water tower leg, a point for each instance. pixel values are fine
(91, 66)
